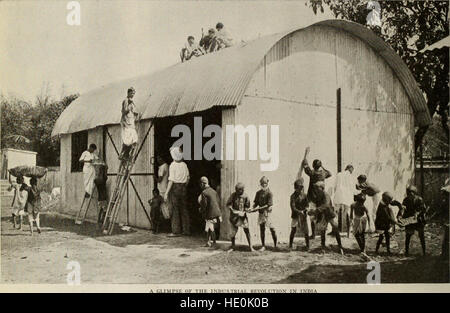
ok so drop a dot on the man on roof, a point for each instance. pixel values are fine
(208, 43)
(191, 49)
(223, 36)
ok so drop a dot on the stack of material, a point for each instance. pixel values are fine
(28, 171)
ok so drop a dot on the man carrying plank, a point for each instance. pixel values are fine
(263, 203)
(316, 175)
(239, 204)
(324, 214)
(413, 207)
(299, 206)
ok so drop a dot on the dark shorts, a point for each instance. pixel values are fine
(101, 189)
(410, 229)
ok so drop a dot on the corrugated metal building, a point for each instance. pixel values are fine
(334, 86)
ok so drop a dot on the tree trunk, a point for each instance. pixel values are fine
(420, 133)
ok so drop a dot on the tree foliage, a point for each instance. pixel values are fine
(435, 143)
(29, 127)
(408, 27)
(15, 123)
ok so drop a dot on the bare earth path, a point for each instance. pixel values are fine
(141, 257)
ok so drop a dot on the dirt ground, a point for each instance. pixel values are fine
(139, 256)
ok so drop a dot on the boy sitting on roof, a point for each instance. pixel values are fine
(127, 123)
(223, 36)
(208, 43)
(190, 49)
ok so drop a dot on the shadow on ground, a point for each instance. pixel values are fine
(120, 238)
(430, 269)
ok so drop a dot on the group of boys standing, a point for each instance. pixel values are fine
(239, 205)
(364, 219)
(314, 210)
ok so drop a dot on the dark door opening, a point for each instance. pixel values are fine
(197, 168)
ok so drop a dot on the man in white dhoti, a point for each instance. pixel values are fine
(344, 190)
(127, 123)
(87, 158)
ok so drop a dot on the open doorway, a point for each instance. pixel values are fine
(197, 168)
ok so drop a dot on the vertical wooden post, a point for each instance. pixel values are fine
(128, 205)
(339, 144)
(104, 143)
(422, 178)
(339, 129)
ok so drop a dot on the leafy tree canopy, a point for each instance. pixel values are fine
(29, 127)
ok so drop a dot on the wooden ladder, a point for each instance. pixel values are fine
(81, 216)
(123, 176)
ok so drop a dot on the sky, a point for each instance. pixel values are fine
(116, 40)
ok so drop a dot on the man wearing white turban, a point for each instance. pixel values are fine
(176, 193)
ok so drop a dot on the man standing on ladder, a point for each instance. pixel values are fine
(127, 123)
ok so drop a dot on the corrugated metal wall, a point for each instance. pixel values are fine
(72, 189)
(228, 173)
(377, 118)
(295, 88)
(72, 183)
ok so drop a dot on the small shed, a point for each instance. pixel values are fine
(333, 86)
(11, 158)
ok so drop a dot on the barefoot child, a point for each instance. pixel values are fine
(359, 214)
(210, 208)
(324, 214)
(33, 205)
(238, 204)
(385, 219)
(371, 191)
(299, 205)
(316, 175)
(19, 201)
(263, 204)
(155, 210)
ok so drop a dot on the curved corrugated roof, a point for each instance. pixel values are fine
(217, 79)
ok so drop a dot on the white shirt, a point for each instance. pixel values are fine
(163, 171)
(190, 48)
(224, 36)
(20, 197)
(87, 156)
(344, 188)
(178, 172)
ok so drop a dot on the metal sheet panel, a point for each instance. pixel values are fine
(218, 79)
